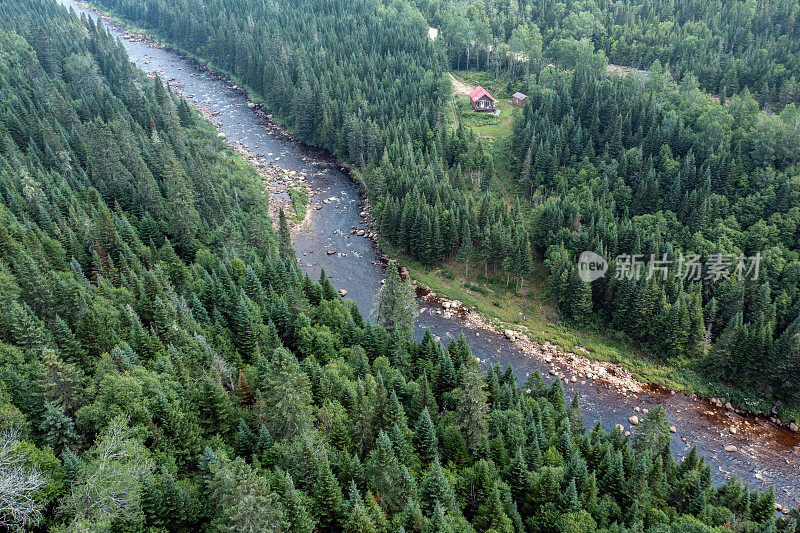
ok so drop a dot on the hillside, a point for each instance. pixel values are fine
(165, 366)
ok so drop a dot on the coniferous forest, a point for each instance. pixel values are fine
(697, 156)
(165, 365)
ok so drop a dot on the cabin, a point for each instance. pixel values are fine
(481, 99)
(519, 99)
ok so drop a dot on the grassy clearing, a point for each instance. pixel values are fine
(527, 310)
(489, 126)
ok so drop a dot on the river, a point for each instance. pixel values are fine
(766, 452)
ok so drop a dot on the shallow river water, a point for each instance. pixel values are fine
(766, 453)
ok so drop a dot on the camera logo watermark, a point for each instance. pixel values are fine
(689, 267)
(591, 266)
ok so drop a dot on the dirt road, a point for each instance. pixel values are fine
(459, 87)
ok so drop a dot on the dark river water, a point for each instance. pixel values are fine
(766, 453)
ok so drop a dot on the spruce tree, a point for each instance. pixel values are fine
(328, 495)
(395, 303)
(473, 409)
(436, 491)
(425, 440)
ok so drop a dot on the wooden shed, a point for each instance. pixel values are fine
(519, 99)
(481, 99)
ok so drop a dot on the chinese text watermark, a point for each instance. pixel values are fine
(689, 267)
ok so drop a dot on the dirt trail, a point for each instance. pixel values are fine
(459, 87)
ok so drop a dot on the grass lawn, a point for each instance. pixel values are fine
(489, 126)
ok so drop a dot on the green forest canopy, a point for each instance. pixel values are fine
(650, 166)
(164, 366)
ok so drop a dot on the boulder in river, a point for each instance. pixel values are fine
(634, 420)
(730, 448)
(673, 429)
(342, 292)
(793, 427)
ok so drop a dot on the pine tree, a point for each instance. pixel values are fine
(395, 303)
(377, 514)
(473, 409)
(214, 407)
(411, 518)
(245, 324)
(384, 472)
(569, 500)
(439, 523)
(425, 440)
(358, 520)
(436, 490)
(574, 415)
(58, 428)
(328, 495)
(653, 433)
(518, 477)
(467, 251)
(328, 291)
(288, 391)
(245, 439)
(492, 515)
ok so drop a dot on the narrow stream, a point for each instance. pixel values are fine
(766, 453)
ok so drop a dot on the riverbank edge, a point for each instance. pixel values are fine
(270, 173)
(639, 369)
(528, 346)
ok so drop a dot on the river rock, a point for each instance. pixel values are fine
(342, 292)
(673, 429)
(730, 448)
(793, 427)
(637, 409)
(633, 420)
(331, 252)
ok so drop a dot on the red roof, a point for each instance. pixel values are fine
(480, 92)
